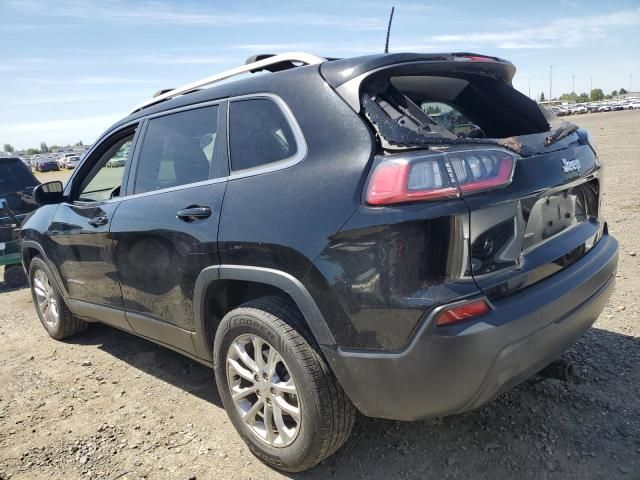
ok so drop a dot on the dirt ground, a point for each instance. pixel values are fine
(110, 405)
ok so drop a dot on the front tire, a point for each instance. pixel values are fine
(277, 389)
(54, 314)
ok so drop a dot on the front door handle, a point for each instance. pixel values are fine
(99, 221)
(191, 214)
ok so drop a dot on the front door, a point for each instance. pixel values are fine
(83, 251)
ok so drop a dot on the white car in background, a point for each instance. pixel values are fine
(71, 162)
(62, 159)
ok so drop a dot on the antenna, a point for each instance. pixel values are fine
(386, 44)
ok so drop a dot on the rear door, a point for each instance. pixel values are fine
(166, 232)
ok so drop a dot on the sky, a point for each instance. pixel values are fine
(71, 68)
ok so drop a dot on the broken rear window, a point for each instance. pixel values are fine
(419, 109)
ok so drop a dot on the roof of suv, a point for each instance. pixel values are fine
(261, 83)
(334, 71)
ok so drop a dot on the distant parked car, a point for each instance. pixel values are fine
(604, 108)
(71, 162)
(46, 165)
(116, 162)
(616, 107)
(633, 106)
(62, 159)
(579, 109)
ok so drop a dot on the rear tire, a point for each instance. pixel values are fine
(14, 276)
(325, 414)
(54, 314)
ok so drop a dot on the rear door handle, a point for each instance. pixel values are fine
(99, 221)
(191, 214)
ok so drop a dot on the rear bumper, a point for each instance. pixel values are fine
(453, 369)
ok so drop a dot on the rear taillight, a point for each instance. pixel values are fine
(463, 311)
(436, 176)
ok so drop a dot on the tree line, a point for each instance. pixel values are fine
(44, 148)
(596, 95)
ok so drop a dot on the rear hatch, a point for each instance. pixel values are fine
(531, 182)
(542, 222)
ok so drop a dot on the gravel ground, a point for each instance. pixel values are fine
(109, 405)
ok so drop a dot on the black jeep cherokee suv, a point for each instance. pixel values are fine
(404, 235)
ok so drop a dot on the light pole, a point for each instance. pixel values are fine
(550, 80)
(530, 78)
(573, 87)
(591, 87)
(629, 83)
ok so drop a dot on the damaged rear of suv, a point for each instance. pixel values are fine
(403, 235)
(482, 252)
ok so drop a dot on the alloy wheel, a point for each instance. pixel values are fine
(46, 299)
(263, 390)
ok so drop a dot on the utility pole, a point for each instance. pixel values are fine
(591, 87)
(629, 83)
(550, 80)
(530, 78)
(573, 87)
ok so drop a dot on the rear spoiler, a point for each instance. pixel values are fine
(347, 75)
(338, 72)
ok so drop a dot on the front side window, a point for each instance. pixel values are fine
(178, 149)
(259, 133)
(104, 181)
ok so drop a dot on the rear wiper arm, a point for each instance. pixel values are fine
(561, 132)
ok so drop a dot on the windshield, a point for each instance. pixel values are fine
(15, 177)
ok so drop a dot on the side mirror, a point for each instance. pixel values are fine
(48, 193)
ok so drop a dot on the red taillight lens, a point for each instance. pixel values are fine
(462, 312)
(410, 178)
(399, 181)
(482, 170)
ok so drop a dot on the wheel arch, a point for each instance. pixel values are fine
(261, 281)
(29, 250)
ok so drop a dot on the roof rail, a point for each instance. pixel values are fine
(290, 58)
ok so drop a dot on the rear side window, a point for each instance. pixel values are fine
(178, 149)
(259, 133)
